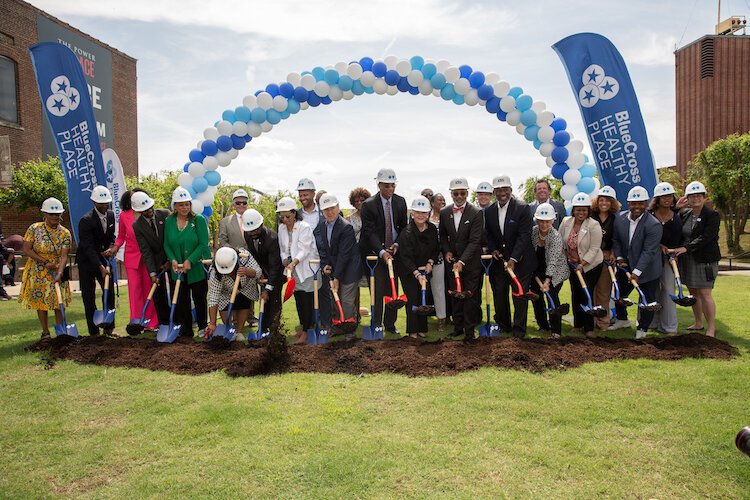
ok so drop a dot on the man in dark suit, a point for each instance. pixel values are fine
(149, 232)
(263, 244)
(383, 219)
(508, 226)
(635, 245)
(96, 232)
(542, 193)
(461, 243)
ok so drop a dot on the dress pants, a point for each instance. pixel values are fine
(383, 288)
(437, 285)
(161, 302)
(501, 292)
(414, 322)
(601, 295)
(272, 308)
(546, 321)
(665, 320)
(650, 290)
(183, 314)
(139, 284)
(305, 305)
(580, 318)
(466, 312)
(90, 282)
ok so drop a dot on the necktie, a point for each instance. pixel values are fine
(388, 225)
(457, 209)
(153, 226)
(256, 244)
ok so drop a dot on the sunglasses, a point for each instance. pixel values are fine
(240, 203)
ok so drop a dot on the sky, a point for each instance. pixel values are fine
(198, 58)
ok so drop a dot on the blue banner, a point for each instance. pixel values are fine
(610, 111)
(66, 101)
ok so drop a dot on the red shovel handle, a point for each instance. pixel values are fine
(459, 289)
(338, 304)
(393, 280)
(515, 280)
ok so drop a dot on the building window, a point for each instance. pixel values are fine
(8, 94)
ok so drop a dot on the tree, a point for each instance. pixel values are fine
(527, 188)
(672, 176)
(725, 168)
(33, 182)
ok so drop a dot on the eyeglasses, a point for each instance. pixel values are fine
(240, 203)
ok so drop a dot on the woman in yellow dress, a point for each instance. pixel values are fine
(46, 244)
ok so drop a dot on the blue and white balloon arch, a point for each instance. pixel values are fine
(321, 86)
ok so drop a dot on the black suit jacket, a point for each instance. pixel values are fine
(94, 240)
(515, 242)
(151, 246)
(466, 243)
(372, 237)
(268, 255)
(342, 254)
(704, 238)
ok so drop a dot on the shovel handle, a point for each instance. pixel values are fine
(611, 270)
(151, 292)
(372, 258)
(235, 288)
(261, 306)
(630, 279)
(372, 290)
(510, 272)
(487, 288)
(106, 278)
(314, 261)
(457, 275)
(673, 263)
(206, 261)
(390, 269)
(580, 278)
(315, 292)
(422, 270)
(176, 291)
(59, 295)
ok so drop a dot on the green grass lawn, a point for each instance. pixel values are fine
(642, 429)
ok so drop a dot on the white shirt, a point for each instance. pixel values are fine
(303, 247)
(312, 218)
(502, 212)
(457, 216)
(633, 225)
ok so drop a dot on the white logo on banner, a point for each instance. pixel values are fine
(64, 97)
(596, 86)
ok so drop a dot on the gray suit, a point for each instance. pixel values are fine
(230, 233)
(559, 211)
(642, 252)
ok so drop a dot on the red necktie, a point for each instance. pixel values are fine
(457, 209)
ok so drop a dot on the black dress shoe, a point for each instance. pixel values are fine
(393, 330)
(456, 333)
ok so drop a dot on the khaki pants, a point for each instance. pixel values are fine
(601, 298)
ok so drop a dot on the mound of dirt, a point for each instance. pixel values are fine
(406, 356)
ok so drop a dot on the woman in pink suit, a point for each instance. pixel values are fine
(139, 281)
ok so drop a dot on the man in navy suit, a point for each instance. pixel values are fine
(96, 232)
(508, 226)
(263, 244)
(635, 245)
(339, 254)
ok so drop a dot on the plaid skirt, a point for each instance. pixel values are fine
(695, 274)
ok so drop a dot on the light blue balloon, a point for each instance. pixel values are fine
(448, 92)
(524, 102)
(285, 114)
(458, 99)
(417, 62)
(528, 117)
(319, 73)
(228, 115)
(531, 132)
(586, 185)
(192, 192)
(292, 106)
(358, 88)
(242, 114)
(369, 90)
(438, 81)
(258, 115)
(212, 177)
(345, 82)
(587, 170)
(331, 76)
(273, 116)
(429, 70)
(537, 144)
(515, 92)
(200, 184)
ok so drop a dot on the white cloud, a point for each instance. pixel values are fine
(658, 50)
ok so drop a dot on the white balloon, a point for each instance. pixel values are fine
(576, 161)
(185, 179)
(597, 184)
(254, 129)
(501, 88)
(266, 127)
(322, 88)
(575, 147)
(513, 118)
(520, 128)
(403, 68)
(196, 169)
(341, 67)
(390, 62)
(303, 106)
(436, 92)
(367, 78)
(265, 101)
(224, 127)
(572, 176)
(223, 158)
(239, 128)
(442, 65)
(280, 103)
(308, 82)
(425, 88)
(568, 191)
(335, 94)
(546, 149)
(471, 98)
(210, 163)
(294, 78)
(197, 207)
(538, 106)
(568, 205)
(508, 103)
(380, 87)
(452, 74)
(250, 102)
(212, 190)
(348, 95)
(414, 78)
(491, 78)
(233, 153)
(550, 162)
(354, 70)
(462, 86)
(211, 133)
(392, 90)
(544, 118)
(206, 198)
(199, 144)
(546, 133)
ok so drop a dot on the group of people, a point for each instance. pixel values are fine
(427, 244)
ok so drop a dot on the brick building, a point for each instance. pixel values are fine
(24, 134)
(713, 92)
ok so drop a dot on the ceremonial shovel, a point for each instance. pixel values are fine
(107, 316)
(64, 329)
(168, 333)
(394, 301)
(681, 299)
(488, 329)
(424, 309)
(372, 332)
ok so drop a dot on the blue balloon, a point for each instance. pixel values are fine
(587, 170)
(379, 69)
(345, 82)
(285, 114)
(447, 92)
(402, 84)
(258, 115)
(586, 158)
(257, 92)
(193, 193)
(326, 100)
(286, 89)
(207, 211)
(458, 99)
(366, 63)
(561, 138)
(331, 76)
(413, 90)
(486, 92)
(429, 70)
(319, 73)
(537, 144)
(476, 79)
(559, 169)
(237, 141)
(493, 105)
(228, 115)
(242, 113)
(196, 155)
(358, 88)
(185, 167)
(559, 154)
(300, 94)
(209, 148)
(199, 184)
(273, 116)
(212, 177)
(501, 115)
(437, 81)
(392, 77)
(524, 102)
(369, 90)
(417, 62)
(224, 143)
(559, 124)
(528, 117)
(531, 132)
(586, 185)
(272, 89)
(313, 99)
(292, 106)
(465, 70)
(515, 92)
(247, 138)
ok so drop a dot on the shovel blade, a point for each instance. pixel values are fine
(686, 301)
(312, 337)
(322, 337)
(67, 330)
(168, 333)
(366, 333)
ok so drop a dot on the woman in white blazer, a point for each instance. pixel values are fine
(582, 240)
(297, 247)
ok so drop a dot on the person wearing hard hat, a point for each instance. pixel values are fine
(418, 255)
(636, 248)
(149, 234)
(484, 195)
(461, 242)
(46, 245)
(508, 231)
(228, 263)
(383, 219)
(543, 194)
(96, 232)
(263, 244)
(186, 244)
(582, 241)
(604, 210)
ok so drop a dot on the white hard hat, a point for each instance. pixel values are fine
(459, 183)
(386, 175)
(305, 184)
(286, 204)
(251, 220)
(638, 193)
(328, 201)
(240, 193)
(225, 260)
(580, 200)
(695, 187)
(545, 211)
(52, 206)
(663, 189)
(607, 191)
(420, 204)
(141, 201)
(181, 194)
(100, 194)
(501, 181)
(484, 187)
